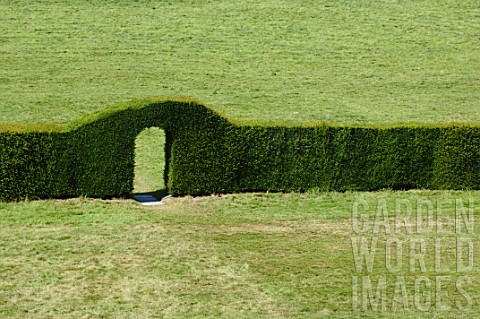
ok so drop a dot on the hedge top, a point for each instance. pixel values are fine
(179, 106)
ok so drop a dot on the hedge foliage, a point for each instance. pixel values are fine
(207, 153)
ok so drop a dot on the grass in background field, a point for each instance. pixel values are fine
(343, 61)
(149, 160)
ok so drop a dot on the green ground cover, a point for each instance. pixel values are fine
(345, 61)
(234, 256)
(242, 255)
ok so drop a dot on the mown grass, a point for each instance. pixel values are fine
(232, 256)
(343, 61)
(241, 255)
(149, 160)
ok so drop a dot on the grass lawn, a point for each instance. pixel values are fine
(233, 256)
(362, 62)
(241, 255)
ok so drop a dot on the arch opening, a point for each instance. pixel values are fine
(151, 166)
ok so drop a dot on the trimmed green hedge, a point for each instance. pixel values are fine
(207, 153)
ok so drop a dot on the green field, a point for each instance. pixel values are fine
(233, 256)
(345, 61)
(240, 255)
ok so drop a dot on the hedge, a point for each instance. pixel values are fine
(207, 153)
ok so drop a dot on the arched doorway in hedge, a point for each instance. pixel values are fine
(151, 167)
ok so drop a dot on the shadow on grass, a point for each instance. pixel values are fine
(150, 197)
